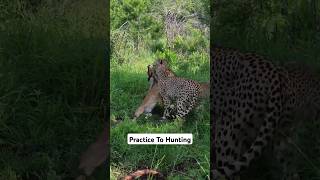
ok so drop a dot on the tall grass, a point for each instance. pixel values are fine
(51, 76)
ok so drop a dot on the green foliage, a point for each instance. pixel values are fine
(139, 27)
(134, 19)
(128, 10)
(157, 45)
(290, 22)
(194, 42)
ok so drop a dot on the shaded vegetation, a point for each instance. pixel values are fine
(283, 31)
(51, 76)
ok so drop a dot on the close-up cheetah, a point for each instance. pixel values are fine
(176, 92)
(251, 102)
(153, 97)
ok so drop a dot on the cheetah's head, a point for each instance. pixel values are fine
(160, 66)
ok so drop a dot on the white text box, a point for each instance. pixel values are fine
(163, 138)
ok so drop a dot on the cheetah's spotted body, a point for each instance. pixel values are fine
(179, 95)
(244, 86)
(251, 100)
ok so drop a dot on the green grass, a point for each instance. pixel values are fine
(128, 87)
(51, 76)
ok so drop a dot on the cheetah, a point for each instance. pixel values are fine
(252, 101)
(153, 97)
(185, 92)
(303, 87)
